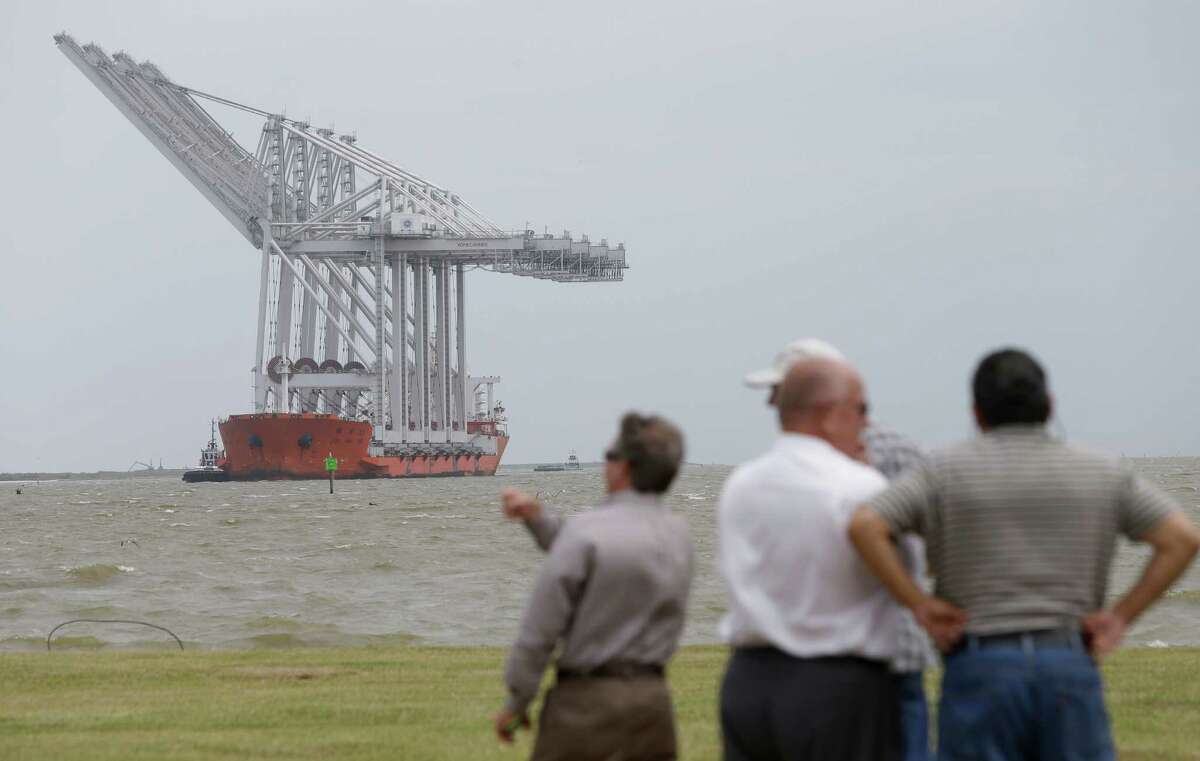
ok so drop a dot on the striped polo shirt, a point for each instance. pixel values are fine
(1020, 529)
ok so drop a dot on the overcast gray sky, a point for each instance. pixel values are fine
(917, 183)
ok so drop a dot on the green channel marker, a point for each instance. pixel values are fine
(331, 466)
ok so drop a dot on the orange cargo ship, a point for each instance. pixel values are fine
(286, 446)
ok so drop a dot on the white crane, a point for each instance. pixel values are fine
(362, 283)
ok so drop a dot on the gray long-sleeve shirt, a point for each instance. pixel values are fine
(545, 528)
(614, 587)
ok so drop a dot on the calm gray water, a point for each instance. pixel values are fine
(284, 564)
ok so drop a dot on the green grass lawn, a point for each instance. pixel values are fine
(402, 702)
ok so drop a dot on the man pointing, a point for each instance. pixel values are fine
(611, 596)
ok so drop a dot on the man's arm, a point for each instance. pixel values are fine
(1175, 540)
(551, 606)
(872, 537)
(543, 525)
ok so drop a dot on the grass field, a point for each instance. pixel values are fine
(409, 702)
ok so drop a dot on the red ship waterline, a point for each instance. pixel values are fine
(290, 446)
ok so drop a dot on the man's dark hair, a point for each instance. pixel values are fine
(653, 447)
(1010, 387)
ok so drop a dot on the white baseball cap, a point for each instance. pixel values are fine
(801, 348)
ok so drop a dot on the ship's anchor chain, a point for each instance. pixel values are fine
(111, 621)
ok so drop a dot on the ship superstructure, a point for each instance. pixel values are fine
(362, 285)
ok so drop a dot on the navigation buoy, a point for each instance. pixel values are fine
(331, 466)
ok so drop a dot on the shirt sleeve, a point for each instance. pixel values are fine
(545, 528)
(551, 607)
(1141, 506)
(907, 504)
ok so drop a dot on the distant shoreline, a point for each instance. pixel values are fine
(99, 474)
(600, 464)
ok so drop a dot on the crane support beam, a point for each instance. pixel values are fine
(295, 271)
(399, 386)
(460, 341)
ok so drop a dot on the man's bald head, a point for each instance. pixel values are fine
(824, 398)
(813, 383)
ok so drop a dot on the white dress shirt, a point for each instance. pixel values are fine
(793, 578)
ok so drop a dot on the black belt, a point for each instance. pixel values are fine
(772, 652)
(1031, 640)
(613, 670)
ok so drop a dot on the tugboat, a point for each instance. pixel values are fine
(210, 459)
(572, 463)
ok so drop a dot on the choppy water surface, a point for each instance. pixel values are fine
(279, 564)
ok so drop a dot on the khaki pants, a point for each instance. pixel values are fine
(607, 719)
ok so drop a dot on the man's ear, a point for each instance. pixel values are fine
(979, 421)
(823, 422)
(624, 473)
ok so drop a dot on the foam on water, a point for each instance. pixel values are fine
(97, 573)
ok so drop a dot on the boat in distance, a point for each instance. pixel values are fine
(360, 355)
(572, 463)
(277, 446)
(210, 459)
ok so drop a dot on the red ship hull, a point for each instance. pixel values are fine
(274, 446)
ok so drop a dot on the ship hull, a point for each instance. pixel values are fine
(204, 475)
(288, 447)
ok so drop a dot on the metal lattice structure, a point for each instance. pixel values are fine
(361, 308)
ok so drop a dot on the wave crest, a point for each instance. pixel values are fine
(97, 573)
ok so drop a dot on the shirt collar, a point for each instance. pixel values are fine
(1030, 430)
(803, 443)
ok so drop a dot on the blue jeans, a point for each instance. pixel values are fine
(914, 716)
(1002, 702)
